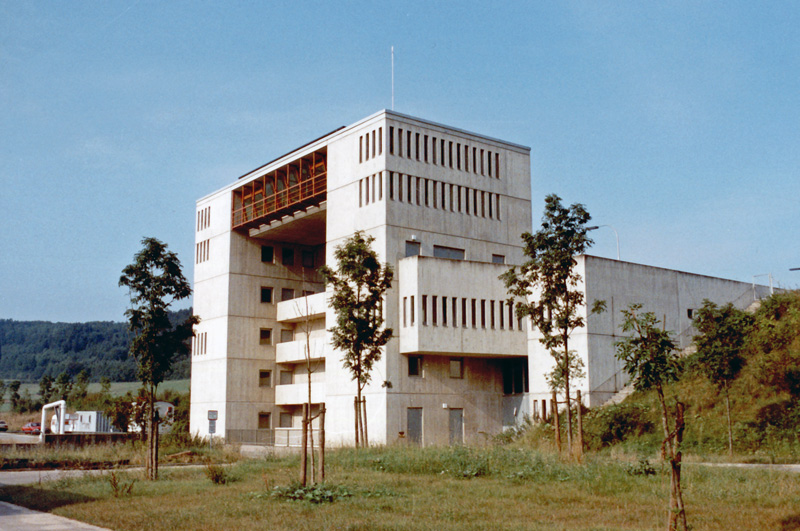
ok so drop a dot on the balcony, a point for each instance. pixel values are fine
(459, 308)
(293, 394)
(295, 186)
(295, 351)
(296, 310)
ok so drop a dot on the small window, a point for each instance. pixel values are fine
(452, 253)
(265, 336)
(308, 258)
(434, 308)
(412, 310)
(424, 310)
(415, 365)
(287, 335)
(287, 294)
(287, 377)
(288, 256)
(690, 313)
(391, 140)
(265, 379)
(266, 294)
(456, 367)
(285, 420)
(413, 248)
(405, 305)
(498, 259)
(264, 420)
(267, 254)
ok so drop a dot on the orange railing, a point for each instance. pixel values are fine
(304, 193)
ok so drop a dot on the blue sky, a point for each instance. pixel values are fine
(678, 123)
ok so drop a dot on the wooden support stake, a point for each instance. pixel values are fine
(580, 425)
(554, 412)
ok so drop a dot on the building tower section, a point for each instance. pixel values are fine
(446, 208)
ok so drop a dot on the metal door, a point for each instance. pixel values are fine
(414, 418)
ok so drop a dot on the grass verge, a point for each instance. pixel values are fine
(432, 488)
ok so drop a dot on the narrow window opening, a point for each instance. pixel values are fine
(454, 308)
(483, 313)
(425, 150)
(424, 310)
(417, 145)
(391, 140)
(412, 310)
(458, 156)
(434, 310)
(474, 308)
(399, 142)
(491, 314)
(408, 144)
(464, 312)
(444, 311)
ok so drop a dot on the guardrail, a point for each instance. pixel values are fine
(283, 437)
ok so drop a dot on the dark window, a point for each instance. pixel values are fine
(412, 310)
(424, 310)
(415, 365)
(405, 306)
(483, 313)
(265, 379)
(474, 308)
(391, 140)
(287, 294)
(434, 310)
(267, 254)
(308, 258)
(498, 259)
(444, 311)
(266, 294)
(288, 256)
(264, 421)
(456, 367)
(464, 312)
(690, 313)
(265, 336)
(515, 376)
(413, 248)
(452, 253)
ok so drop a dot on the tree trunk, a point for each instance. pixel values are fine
(304, 454)
(322, 443)
(311, 446)
(365, 437)
(554, 412)
(357, 417)
(677, 512)
(730, 423)
(664, 424)
(580, 425)
(569, 400)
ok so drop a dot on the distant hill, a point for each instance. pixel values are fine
(31, 349)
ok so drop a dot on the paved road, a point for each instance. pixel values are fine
(16, 518)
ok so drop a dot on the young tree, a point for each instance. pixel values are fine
(14, 397)
(2, 392)
(359, 284)
(651, 361)
(545, 289)
(46, 390)
(63, 386)
(723, 334)
(155, 281)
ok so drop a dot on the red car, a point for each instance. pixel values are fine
(32, 428)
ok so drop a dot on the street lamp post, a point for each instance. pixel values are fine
(610, 227)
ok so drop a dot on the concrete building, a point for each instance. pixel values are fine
(446, 208)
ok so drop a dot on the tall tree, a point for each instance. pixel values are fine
(545, 289)
(359, 284)
(2, 392)
(651, 361)
(155, 281)
(723, 332)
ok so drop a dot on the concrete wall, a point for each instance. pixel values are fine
(669, 294)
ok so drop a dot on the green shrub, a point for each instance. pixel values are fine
(613, 424)
(319, 493)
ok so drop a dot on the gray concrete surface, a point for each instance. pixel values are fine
(15, 518)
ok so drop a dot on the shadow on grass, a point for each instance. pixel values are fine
(41, 499)
(791, 523)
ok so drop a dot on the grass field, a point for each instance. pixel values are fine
(432, 488)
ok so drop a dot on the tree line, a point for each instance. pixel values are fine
(30, 350)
